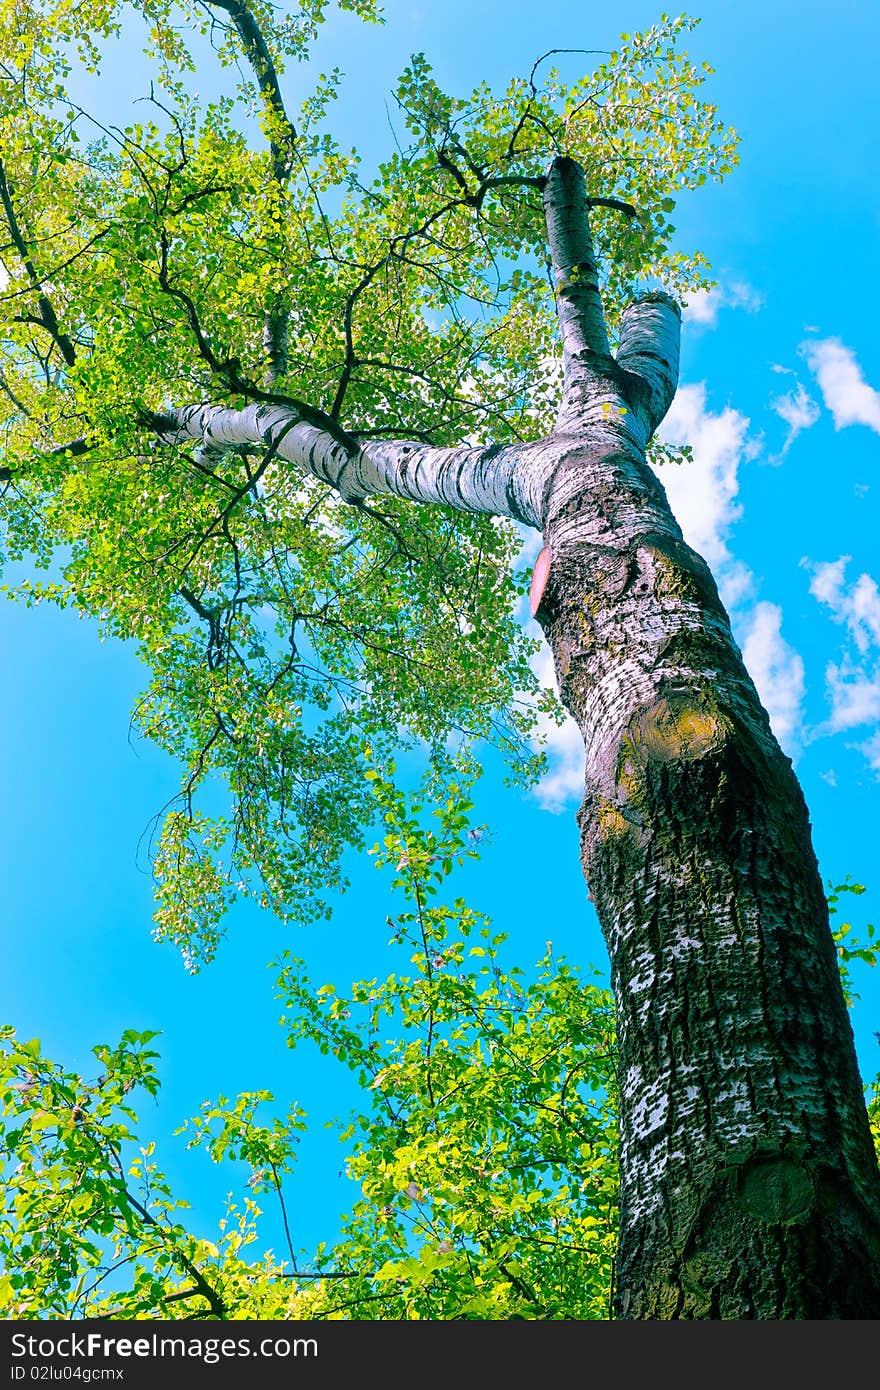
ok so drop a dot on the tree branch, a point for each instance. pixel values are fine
(650, 336)
(575, 274)
(501, 480)
(47, 318)
(597, 201)
(283, 144)
(282, 137)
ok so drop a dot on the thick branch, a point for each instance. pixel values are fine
(575, 274)
(282, 138)
(650, 336)
(281, 132)
(75, 449)
(502, 481)
(275, 337)
(618, 204)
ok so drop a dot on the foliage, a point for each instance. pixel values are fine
(850, 947)
(484, 1163)
(482, 1152)
(219, 250)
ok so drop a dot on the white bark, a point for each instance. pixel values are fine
(510, 481)
(650, 335)
(575, 276)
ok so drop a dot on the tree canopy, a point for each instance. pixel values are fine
(288, 630)
(299, 636)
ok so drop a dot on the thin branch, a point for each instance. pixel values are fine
(223, 368)
(277, 1182)
(257, 53)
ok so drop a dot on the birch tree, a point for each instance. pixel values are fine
(285, 423)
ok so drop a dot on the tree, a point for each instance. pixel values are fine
(235, 373)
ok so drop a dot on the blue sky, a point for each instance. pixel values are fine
(780, 398)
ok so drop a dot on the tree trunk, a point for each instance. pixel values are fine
(749, 1185)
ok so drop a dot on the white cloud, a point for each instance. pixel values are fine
(736, 584)
(741, 295)
(799, 411)
(702, 494)
(827, 582)
(563, 785)
(702, 306)
(863, 612)
(853, 683)
(871, 750)
(844, 389)
(777, 670)
(854, 696)
(858, 607)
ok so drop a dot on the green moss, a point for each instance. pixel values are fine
(675, 728)
(775, 1190)
(611, 823)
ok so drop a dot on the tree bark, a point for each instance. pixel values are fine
(749, 1185)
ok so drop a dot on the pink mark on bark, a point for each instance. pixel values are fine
(539, 578)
